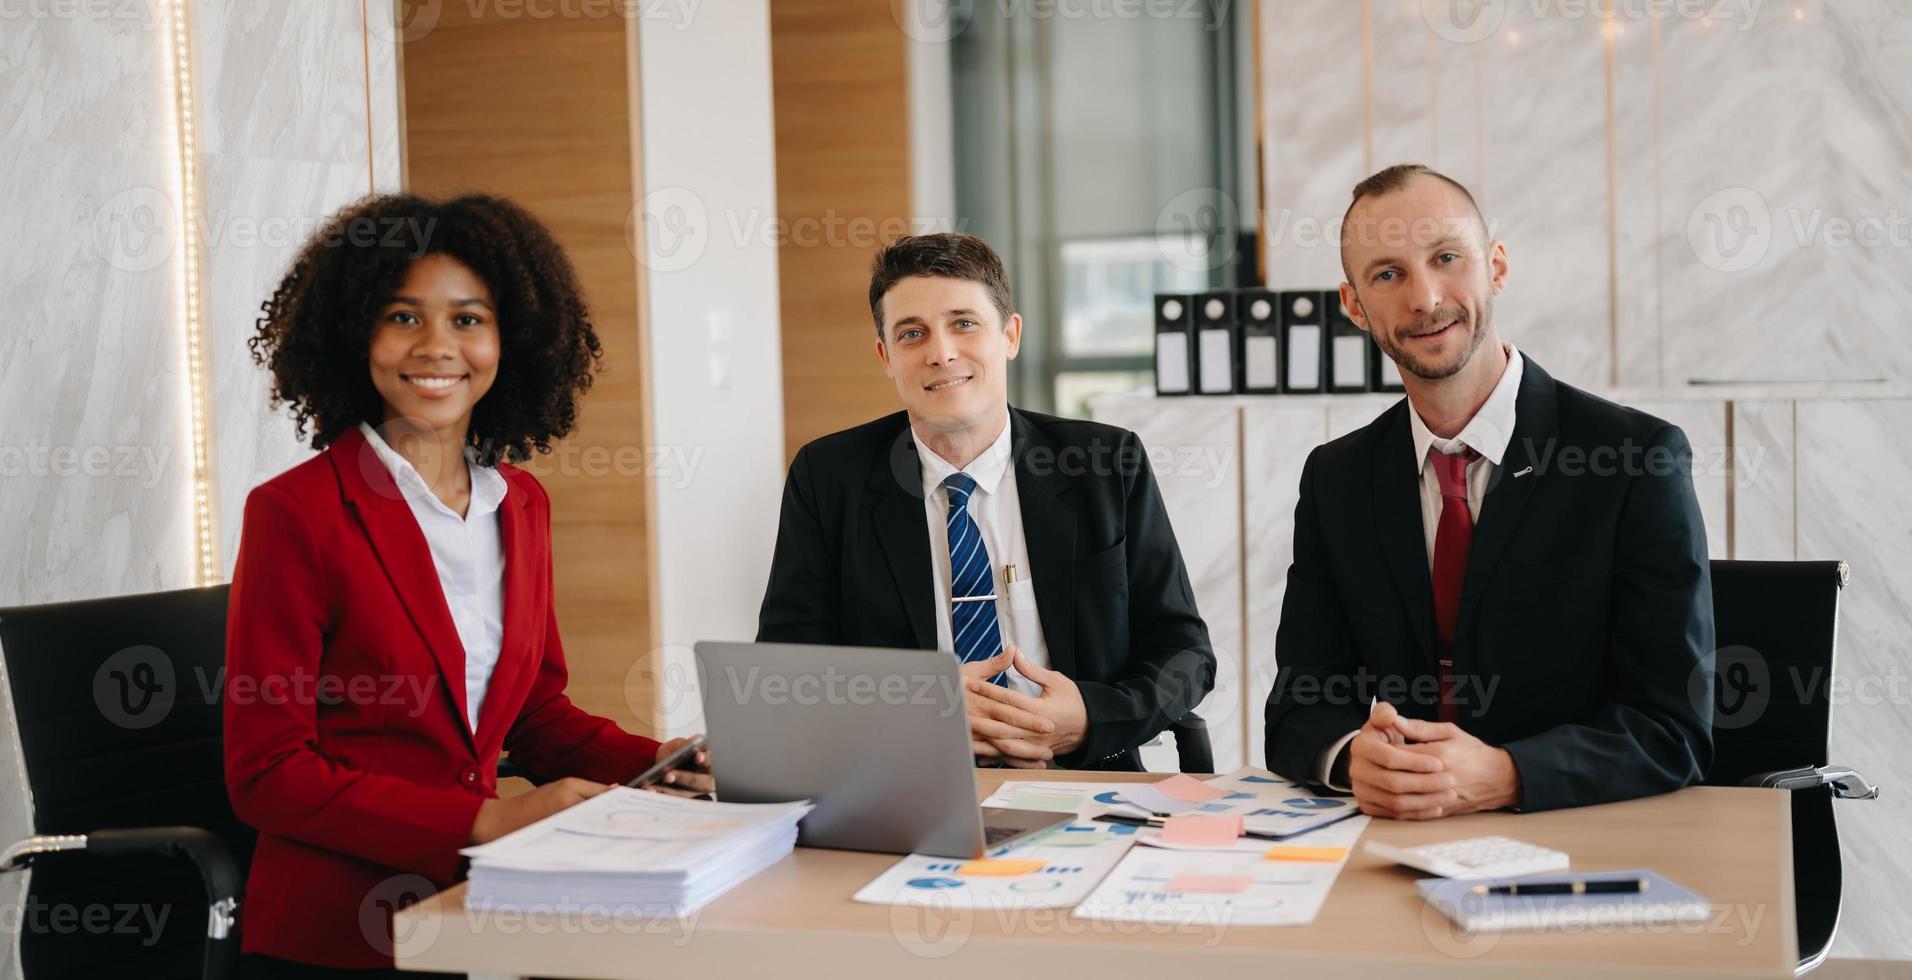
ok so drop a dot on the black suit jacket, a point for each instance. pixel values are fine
(1585, 640)
(852, 567)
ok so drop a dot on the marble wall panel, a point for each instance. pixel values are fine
(1853, 467)
(1194, 449)
(1312, 84)
(1276, 441)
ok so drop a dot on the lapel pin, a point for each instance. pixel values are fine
(1520, 473)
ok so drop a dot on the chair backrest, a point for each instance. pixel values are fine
(1777, 627)
(118, 707)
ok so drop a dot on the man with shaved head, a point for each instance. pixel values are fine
(1500, 595)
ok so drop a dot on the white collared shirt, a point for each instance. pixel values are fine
(469, 554)
(996, 508)
(1489, 433)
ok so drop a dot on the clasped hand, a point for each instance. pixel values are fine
(1013, 729)
(1420, 770)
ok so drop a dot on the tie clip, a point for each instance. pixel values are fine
(974, 598)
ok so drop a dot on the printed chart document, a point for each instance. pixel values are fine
(1266, 803)
(1055, 869)
(1221, 887)
(1192, 871)
(629, 852)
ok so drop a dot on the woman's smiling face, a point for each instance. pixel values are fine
(435, 345)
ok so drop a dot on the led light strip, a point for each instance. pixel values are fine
(180, 76)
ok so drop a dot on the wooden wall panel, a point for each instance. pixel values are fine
(841, 90)
(543, 111)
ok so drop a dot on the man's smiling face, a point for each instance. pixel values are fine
(947, 348)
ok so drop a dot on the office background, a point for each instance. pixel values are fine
(1707, 217)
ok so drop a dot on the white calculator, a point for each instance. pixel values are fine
(1492, 857)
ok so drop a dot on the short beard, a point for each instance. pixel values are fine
(1414, 366)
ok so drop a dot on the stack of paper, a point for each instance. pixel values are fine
(630, 853)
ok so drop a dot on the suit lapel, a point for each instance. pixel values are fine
(1536, 423)
(526, 553)
(903, 530)
(1397, 518)
(403, 554)
(1048, 528)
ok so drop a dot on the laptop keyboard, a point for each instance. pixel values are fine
(996, 835)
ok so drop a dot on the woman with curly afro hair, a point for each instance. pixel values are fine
(391, 627)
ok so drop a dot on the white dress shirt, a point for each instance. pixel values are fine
(997, 510)
(469, 554)
(1488, 433)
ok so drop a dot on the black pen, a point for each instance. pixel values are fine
(1156, 823)
(1623, 886)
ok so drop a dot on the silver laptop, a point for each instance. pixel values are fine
(876, 738)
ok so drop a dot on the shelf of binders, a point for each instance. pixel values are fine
(1265, 342)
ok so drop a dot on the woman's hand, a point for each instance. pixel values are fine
(692, 780)
(499, 817)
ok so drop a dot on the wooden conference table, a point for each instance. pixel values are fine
(1733, 846)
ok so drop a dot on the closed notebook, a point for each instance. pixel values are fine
(1661, 901)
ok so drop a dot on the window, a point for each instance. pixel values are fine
(1097, 152)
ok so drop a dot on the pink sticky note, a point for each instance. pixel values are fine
(1188, 789)
(1200, 830)
(1224, 884)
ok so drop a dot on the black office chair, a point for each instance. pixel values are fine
(1777, 625)
(1192, 749)
(117, 704)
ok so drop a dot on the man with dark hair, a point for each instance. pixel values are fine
(1500, 594)
(1035, 549)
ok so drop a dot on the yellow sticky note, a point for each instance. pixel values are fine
(998, 868)
(1281, 852)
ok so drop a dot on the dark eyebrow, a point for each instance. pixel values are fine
(415, 301)
(912, 318)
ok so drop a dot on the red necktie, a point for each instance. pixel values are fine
(1452, 538)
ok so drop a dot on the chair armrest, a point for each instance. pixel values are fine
(1846, 783)
(225, 881)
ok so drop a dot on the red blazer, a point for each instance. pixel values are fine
(346, 740)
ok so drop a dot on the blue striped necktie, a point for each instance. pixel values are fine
(972, 624)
